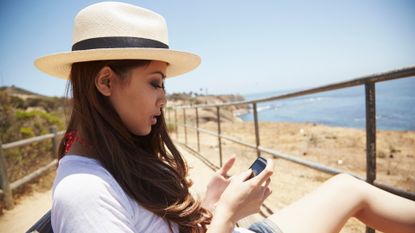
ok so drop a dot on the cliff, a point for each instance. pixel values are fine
(227, 114)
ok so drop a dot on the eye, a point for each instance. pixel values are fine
(157, 85)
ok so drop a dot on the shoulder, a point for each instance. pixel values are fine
(85, 193)
(80, 178)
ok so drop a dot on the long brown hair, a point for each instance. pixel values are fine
(149, 168)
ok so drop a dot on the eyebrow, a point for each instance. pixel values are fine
(159, 72)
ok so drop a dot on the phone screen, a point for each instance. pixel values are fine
(258, 165)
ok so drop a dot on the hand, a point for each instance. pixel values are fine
(244, 196)
(217, 185)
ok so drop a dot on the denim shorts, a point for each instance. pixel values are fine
(265, 226)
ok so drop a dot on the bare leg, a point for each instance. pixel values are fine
(329, 207)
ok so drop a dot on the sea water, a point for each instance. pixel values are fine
(395, 106)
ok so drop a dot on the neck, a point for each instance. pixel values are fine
(79, 149)
(80, 146)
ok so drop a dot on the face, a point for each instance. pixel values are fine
(138, 98)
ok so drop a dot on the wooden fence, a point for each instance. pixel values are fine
(7, 187)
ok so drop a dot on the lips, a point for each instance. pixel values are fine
(154, 119)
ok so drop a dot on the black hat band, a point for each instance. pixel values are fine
(118, 42)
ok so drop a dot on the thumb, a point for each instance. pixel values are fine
(245, 175)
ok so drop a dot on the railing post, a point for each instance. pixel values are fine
(169, 115)
(54, 141)
(5, 185)
(185, 127)
(177, 126)
(258, 152)
(219, 136)
(370, 136)
(197, 129)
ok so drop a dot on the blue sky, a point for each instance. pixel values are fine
(246, 47)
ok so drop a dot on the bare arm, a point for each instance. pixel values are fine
(241, 198)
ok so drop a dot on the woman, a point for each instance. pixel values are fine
(119, 170)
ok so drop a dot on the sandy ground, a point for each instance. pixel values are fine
(25, 213)
(337, 147)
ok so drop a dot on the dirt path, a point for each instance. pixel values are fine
(27, 212)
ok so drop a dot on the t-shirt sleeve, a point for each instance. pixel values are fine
(87, 203)
(241, 230)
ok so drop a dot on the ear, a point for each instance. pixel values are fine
(104, 81)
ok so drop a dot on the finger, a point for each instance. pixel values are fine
(267, 192)
(266, 183)
(228, 165)
(245, 175)
(266, 173)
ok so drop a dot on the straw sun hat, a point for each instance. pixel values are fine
(118, 31)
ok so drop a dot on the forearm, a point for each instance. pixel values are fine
(221, 221)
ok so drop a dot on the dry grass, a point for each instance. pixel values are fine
(342, 148)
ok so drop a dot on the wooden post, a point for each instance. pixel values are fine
(177, 126)
(169, 115)
(5, 185)
(370, 136)
(197, 130)
(257, 141)
(54, 141)
(185, 126)
(219, 136)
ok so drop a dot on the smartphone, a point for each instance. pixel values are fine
(258, 166)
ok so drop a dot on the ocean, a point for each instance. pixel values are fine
(395, 106)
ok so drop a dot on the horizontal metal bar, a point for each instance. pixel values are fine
(207, 132)
(252, 146)
(279, 154)
(30, 140)
(306, 163)
(390, 75)
(200, 156)
(200, 130)
(396, 191)
(222, 136)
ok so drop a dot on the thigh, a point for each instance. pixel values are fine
(324, 210)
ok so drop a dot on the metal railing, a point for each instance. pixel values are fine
(7, 187)
(369, 83)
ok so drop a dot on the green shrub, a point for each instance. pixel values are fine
(27, 132)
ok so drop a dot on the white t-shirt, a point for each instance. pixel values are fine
(86, 198)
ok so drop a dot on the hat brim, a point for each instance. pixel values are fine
(59, 65)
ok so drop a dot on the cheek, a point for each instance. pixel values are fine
(133, 110)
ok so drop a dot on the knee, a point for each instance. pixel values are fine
(347, 183)
(344, 178)
(351, 190)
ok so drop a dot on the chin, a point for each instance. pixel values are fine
(141, 132)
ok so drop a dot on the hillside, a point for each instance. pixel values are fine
(227, 114)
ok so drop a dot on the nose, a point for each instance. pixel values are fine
(162, 100)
